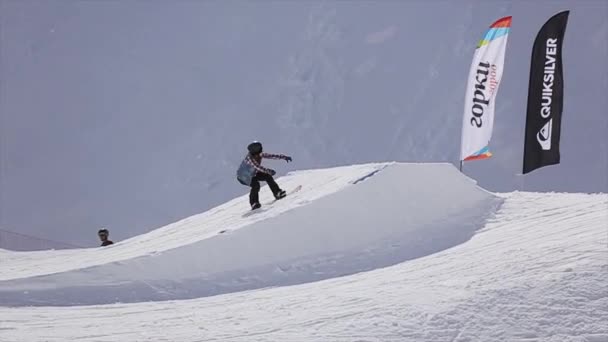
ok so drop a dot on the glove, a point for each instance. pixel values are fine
(288, 159)
(271, 172)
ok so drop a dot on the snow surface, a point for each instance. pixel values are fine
(188, 231)
(398, 258)
(381, 220)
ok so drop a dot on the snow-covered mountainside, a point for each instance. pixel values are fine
(134, 114)
(378, 252)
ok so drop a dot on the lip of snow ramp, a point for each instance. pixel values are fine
(344, 220)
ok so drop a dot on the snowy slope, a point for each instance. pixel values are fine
(536, 271)
(318, 183)
(141, 122)
(370, 216)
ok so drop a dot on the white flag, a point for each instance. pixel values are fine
(482, 86)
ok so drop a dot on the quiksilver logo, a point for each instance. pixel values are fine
(544, 136)
(548, 77)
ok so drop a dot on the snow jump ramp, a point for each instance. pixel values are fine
(344, 220)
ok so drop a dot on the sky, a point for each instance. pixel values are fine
(130, 115)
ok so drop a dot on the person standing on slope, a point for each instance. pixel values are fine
(103, 236)
(251, 172)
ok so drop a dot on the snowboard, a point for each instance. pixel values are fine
(264, 206)
(289, 192)
(296, 189)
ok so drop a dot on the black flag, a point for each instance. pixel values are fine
(545, 96)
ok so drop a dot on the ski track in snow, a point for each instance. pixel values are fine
(536, 271)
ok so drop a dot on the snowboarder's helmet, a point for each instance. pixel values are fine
(255, 147)
(103, 231)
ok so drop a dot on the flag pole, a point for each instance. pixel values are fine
(522, 181)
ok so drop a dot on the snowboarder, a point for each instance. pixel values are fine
(251, 172)
(103, 236)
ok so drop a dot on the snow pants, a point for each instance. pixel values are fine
(255, 186)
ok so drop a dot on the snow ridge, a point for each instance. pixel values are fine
(335, 226)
